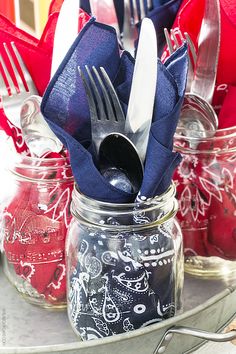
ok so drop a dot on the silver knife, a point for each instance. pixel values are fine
(143, 89)
(208, 52)
(66, 31)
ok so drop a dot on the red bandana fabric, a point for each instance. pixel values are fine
(205, 179)
(38, 215)
(35, 224)
(37, 55)
(224, 100)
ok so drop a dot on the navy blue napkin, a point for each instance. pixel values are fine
(163, 15)
(121, 291)
(65, 108)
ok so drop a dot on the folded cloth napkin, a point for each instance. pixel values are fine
(65, 108)
(227, 114)
(206, 191)
(226, 74)
(36, 54)
(22, 209)
(34, 59)
(39, 215)
(163, 15)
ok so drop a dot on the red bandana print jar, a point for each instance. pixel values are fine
(206, 190)
(35, 223)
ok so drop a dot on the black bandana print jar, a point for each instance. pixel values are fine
(124, 264)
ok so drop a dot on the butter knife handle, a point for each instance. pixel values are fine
(66, 31)
(208, 52)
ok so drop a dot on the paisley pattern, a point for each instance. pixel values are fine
(206, 189)
(35, 223)
(123, 282)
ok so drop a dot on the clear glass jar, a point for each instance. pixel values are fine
(206, 190)
(35, 221)
(124, 264)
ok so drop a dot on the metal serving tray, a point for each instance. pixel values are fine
(26, 329)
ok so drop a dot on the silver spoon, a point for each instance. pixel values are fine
(37, 134)
(120, 163)
(198, 119)
(203, 118)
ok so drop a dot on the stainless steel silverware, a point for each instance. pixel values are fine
(104, 119)
(66, 31)
(38, 136)
(143, 89)
(117, 158)
(208, 51)
(17, 88)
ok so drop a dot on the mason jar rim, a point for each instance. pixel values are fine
(225, 134)
(209, 138)
(19, 162)
(40, 159)
(159, 200)
(91, 212)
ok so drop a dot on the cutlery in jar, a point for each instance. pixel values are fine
(143, 89)
(198, 118)
(115, 155)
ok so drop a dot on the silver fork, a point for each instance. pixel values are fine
(174, 40)
(135, 11)
(105, 109)
(14, 90)
(139, 9)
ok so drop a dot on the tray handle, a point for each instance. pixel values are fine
(210, 336)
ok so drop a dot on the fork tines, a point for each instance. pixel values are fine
(12, 69)
(139, 9)
(16, 84)
(175, 39)
(104, 103)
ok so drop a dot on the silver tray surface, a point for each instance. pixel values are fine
(25, 328)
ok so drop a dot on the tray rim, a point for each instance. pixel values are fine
(55, 348)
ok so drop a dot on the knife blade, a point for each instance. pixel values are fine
(143, 89)
(208, 52)
(66, 31)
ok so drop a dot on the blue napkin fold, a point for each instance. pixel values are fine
(65, 108)
(163, 15)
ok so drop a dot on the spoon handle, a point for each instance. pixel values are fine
(208, 52)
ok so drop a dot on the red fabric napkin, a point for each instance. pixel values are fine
(207, 200)
(226, 74)
(38, 62)
(36, 222)
(204, 196)
(37, 55)
(37, 218)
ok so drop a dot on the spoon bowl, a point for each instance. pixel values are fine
(197, 118)
(37, 134)
(119, 162)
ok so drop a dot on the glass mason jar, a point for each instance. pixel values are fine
(206, 190)
(124, 264)
(35, 221)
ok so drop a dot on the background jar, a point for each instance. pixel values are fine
(35, 221)
(124, 264)
(206, 190)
